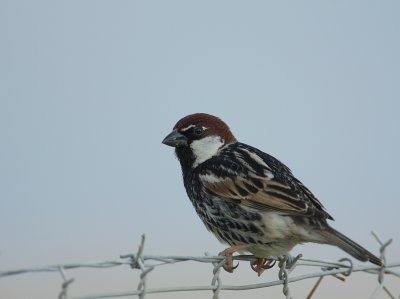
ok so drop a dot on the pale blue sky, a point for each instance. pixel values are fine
(88, 89)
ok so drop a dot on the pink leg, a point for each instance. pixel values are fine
(262, 264)
(228, 253)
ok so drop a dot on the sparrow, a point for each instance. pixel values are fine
(247, 198)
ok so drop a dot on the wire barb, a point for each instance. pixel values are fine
(382, 270)
(64, 286)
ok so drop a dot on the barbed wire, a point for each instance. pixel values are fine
(147, 263)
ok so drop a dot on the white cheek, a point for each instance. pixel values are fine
(205, 148)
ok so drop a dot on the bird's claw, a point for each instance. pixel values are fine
(262, 264)
(228, 253)
(228, 265)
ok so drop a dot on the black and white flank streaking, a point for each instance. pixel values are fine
(247, 198)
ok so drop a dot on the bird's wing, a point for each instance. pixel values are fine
(258, 180)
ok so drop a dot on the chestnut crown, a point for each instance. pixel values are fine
(200, 125)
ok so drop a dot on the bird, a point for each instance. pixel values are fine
(247, 198)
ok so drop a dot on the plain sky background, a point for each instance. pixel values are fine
(88, 89)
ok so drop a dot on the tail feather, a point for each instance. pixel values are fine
(336, 238)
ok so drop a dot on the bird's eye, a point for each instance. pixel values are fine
(198, 131)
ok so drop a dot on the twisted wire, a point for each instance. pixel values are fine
(147, 263)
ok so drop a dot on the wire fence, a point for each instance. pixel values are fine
(147, 263)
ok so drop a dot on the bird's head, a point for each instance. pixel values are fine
(198, 137)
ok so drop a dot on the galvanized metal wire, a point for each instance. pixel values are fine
(147, 263)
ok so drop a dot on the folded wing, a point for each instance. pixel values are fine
(261, 182)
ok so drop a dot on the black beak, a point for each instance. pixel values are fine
(175, 139)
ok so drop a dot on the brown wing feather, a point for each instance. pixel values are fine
(261, 193)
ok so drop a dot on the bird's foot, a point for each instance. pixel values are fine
(228, 253)
(261, 264)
